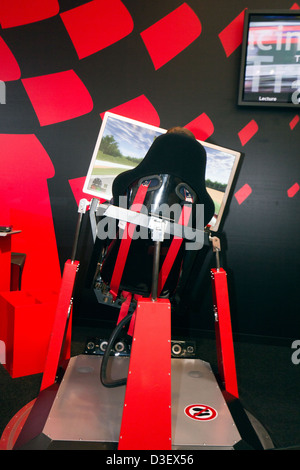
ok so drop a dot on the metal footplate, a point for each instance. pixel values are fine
(86, 415)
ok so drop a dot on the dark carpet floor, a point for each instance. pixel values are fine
(269, 383)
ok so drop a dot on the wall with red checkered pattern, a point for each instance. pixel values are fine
(64, 63)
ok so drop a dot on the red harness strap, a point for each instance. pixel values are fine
(173, 250)
(123, 252)
(125, 242)
(125, 308)
(125, 305)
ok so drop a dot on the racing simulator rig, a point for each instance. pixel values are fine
(143, 397)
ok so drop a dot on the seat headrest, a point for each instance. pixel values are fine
(177, 155)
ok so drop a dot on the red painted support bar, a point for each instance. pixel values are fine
(60, 323)
(223, 329)
(146, 422)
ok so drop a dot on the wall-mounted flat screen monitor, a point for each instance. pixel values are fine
(270, 63)
(122, 144)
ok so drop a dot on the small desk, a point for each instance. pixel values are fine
(5, 259)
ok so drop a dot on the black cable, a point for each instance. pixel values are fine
(111, 342)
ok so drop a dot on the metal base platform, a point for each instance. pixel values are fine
(86, 415)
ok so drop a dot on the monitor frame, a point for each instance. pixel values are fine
(221, 198)
(264, 101)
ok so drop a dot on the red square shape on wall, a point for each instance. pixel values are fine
(58, 97)
(18, 12)
(232, 36)
(171, 35)
(10, 69)
(97, 25)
